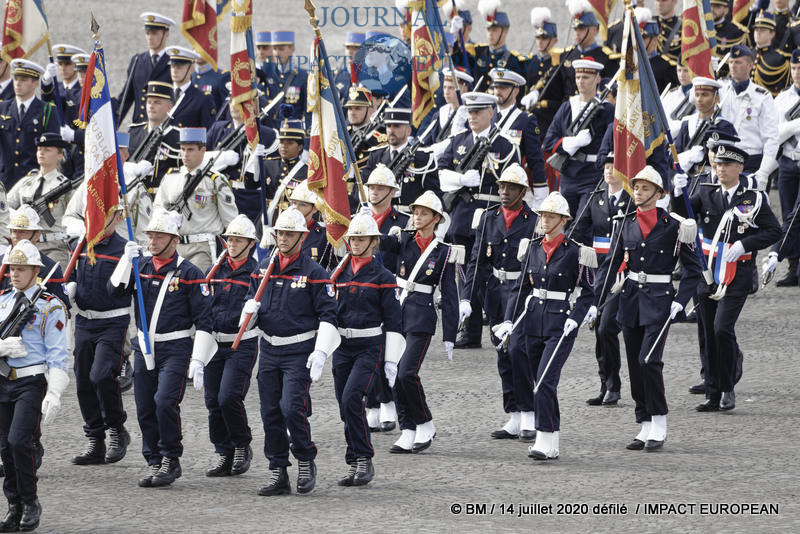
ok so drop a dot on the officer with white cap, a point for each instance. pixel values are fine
(145, 67)
(177, 307)
(226, 377)
(33, 376)
(293, 350)
(369, 320)
(447, 124)
(206, 208)
(195, 108)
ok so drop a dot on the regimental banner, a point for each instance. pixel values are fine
(25, 29)
(199, 26)
(697, 38)
(243, 68)
(428, 46)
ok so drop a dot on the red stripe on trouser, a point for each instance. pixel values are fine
(364, 426)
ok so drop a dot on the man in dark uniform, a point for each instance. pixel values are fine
(289, 161)
(669, 37)
(23, 120)
(211, 81)
(194, 108)
(543, 64)
(736, 222)
(285, 74)
(344, 69)
(165, 154)
(152, 65)
(359, 111)
(663, 67)
(586, 27)
(783, 19)
(772, 66)
(706, 99)
(263, 42)
(729, 33)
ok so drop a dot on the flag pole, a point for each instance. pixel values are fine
(146, 352)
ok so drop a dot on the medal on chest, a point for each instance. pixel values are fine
(489, 251)
(431, 265)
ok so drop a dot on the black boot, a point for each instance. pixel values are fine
(242, 456)
(464, 342)
(94, 454)
(126, 375)
(278, 483)
(222, 467)
(598, 400)
(365, 471)
(38, 454)
(347, 480)
(306, 476)
(169, 472)
(147, 480)
(790, 280)
(30, 515)
(11, 521)
(118, 441)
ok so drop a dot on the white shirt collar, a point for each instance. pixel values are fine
(26, 102)
(71, 84)
(484, 133)
(183, 87)
(399, 148)
(730, 191)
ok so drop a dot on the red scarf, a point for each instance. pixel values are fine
(158, 263)
(510, 216)
(356, 263)
(380, 218)
(236, 264)
(285, 261)
(423, 242)
(551, 246)
(310, 223)
(646, 220)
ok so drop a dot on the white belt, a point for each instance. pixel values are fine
(48, 237)
(279, 341)
(644, 278)
(794, 155)
(197, 238)
(591, 158)
(412, 287)
(172, 336)
(350, 333)
(108, 314)
(502, 275)
(31, 370)
(222, 337)
(549, 295)
(488, 198)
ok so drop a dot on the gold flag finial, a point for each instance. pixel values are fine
(95, 27)
(312, 17)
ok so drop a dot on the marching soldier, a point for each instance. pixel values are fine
(729, 32)
(736, 222)
(177, 304)
(292, 351)
(706, 100)
(771, 65)
(32, 379)
(146, 67)
(23, 120)
(206, 203)
(663, 67)
(445, 126)
(263, 42)
(549, 328)
(288, 168)
(226, 377)
(543, 63)
(424, 263)
(643, 253)
(586, 27)
(783, 19)
(669, 36)
(194, 108)
(343, 79)
(165, 153)
(678, 102)
(285, 74)
(101, 328)
(81, 64)
(369, 321)
(359, 111)
(492, 270)
(39, 185)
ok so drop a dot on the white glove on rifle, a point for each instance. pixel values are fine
(679, 183)
(690, 157)
(464, 310)
(390, 368)
(365, 209)
(12, 347)
(573, 143)
(529, 100)
(196, 370)
(57, 381)
(395, 231)
(251, 306)
(260, 151)
(226, 158)
(733, 253)
(471, 178)
(315, 362)
(591, 315)
(569, 326)
(50, 73)
(539, 194)
(770, 263)
(448, 348)
(674, 309)
(67, 133)
(142, 168)
(456, 24)
(502, 330)
(70, 289)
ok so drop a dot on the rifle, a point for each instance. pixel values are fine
(684, 108)
(546, 85)
(259, 293)
(405, 157)
(42, 204)
(23, 309)
(148, 149)
(375, 122)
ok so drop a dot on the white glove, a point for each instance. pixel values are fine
(770, 263)
(715, 60)
(251, 306)
(539, 194)
(591, 315)
(569, 326)
(762, 177)
(679, 183)
(57, 381)
(694, 155)
(733, 253)
(529, 100)
(471, 178)
(132, 250)
(260, 151)
(142, 168)
(226, 159)
(390, 368)
(395, 231)
(456, 24)
(316, 360)
(196, 370)
(267, 239)
(572, 144)
(50, 73)
(502, 330)
(365, 210)
(464, 310)
(448, 348)
(70, 288)
(674, 309)
(67, 133)
(12, 347)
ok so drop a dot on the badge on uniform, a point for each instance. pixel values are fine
(461, 150)
(431, 265)
(200, 201)
(173, 285)
(601, 202)
(314, 253)
(330, 289)
(204, 290)
(626, 257)
(292, 95)
(402, 270)
(397, 292)
(488, 251)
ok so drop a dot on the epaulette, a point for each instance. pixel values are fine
(669, 60)
(784, 54)
(555, 55)
(794, 23)
(687, 233)
(457, 254)
(138, 124)
(470, 48)
(587, 256)
(373, 148)
(273, 158)
(518, 55)
(173, 170)
(710, 184)
(609, 51)
(32, 171)
(4, 291)
(614, 55)
(761, 90)
(740, 26)
(380, 137)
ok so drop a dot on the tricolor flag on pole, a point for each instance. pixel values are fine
(697, 38)
(243, 69)
(24, 29)
(428, 48)
(637, 128)
(199, 26)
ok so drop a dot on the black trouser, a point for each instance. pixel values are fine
(719, 321)
(752, 163)
(20, 411)
(412, 409)
(647, 379)
(606, 348)
(474, 325)
(354, 371)
(380, 392)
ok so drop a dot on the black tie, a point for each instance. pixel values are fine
(39, 188)
(21, 111)
(154, 59)
(177, 94)
(726, 199)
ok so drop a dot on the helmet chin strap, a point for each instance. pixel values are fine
(648, 199)
(517, 198)
(289, 252)
(163, 249)
(365, 248)
(244, 251)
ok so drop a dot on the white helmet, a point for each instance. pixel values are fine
(241, 226)
(382, 175)
(555, 203)
(24, 218)
(302, 193)
(514, 174)
(24, 253)
(363, 225)
(166, 222)
(429, 200)
(291, 220)
(649, 174)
